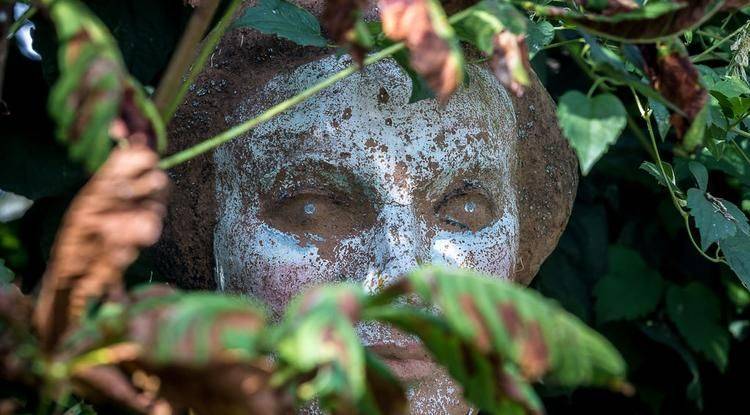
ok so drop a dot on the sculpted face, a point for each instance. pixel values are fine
(356, 184)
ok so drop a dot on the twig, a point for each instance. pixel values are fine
(183, 55)
(277, 109)
(206, 51)
(28, 14)
(698, 57)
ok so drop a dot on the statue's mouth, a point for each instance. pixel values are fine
(409, 362)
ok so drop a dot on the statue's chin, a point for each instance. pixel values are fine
(438, 394)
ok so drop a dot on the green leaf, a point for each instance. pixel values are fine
(6, 275)
(696, 312)
(700, 173)
(655, 171)
(519, 325)
(630, 289)
(489, 384)
(93, 88)
(697, 131)
(736, 249)
(661, 116)
(591, 124)
(80, 409)
(419, 88)
(716, 218)
(318, 346)
(283, 19)
(487, 19)
(196, 329)
(539, 35)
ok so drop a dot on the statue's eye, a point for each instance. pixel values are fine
(465, 212)
(319, 213)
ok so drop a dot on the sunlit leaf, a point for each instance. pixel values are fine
(590, 124)
(283, 19)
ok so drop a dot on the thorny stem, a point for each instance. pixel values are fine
(646, 116)
(209, 44)
(183, 56)
(277, 109)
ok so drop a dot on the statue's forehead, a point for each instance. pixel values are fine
(365, 124)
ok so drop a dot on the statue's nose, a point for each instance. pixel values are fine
(397, 244)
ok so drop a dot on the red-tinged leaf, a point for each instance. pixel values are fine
(510, 61)
(118, 212)
(95, 100)
(644, 26)
(339, 19)
(609, 7)
(519, 326)
(673, 74)
(435, 53)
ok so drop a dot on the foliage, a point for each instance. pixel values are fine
(647, 262)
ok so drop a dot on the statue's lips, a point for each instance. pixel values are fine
(409, 362)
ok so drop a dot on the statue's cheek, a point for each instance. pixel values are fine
(491, 250)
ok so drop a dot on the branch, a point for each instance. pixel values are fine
(208, 47)
(183, 56)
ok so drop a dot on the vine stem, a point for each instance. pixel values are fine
(209, 44)
(646, 116)
(277, 109)
(183, 55)
(238, 130)
(697, 58)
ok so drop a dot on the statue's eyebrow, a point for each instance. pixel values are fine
(316, 174)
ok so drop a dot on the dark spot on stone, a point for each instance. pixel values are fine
(371, 143)
(389, 121)
(345, 154)
(383, 96)
(347, 113)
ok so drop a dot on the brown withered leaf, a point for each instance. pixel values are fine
(339, 18)
(510, 61)
(109, 384)
(118, 212)
(678, 80)
(432, 56)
